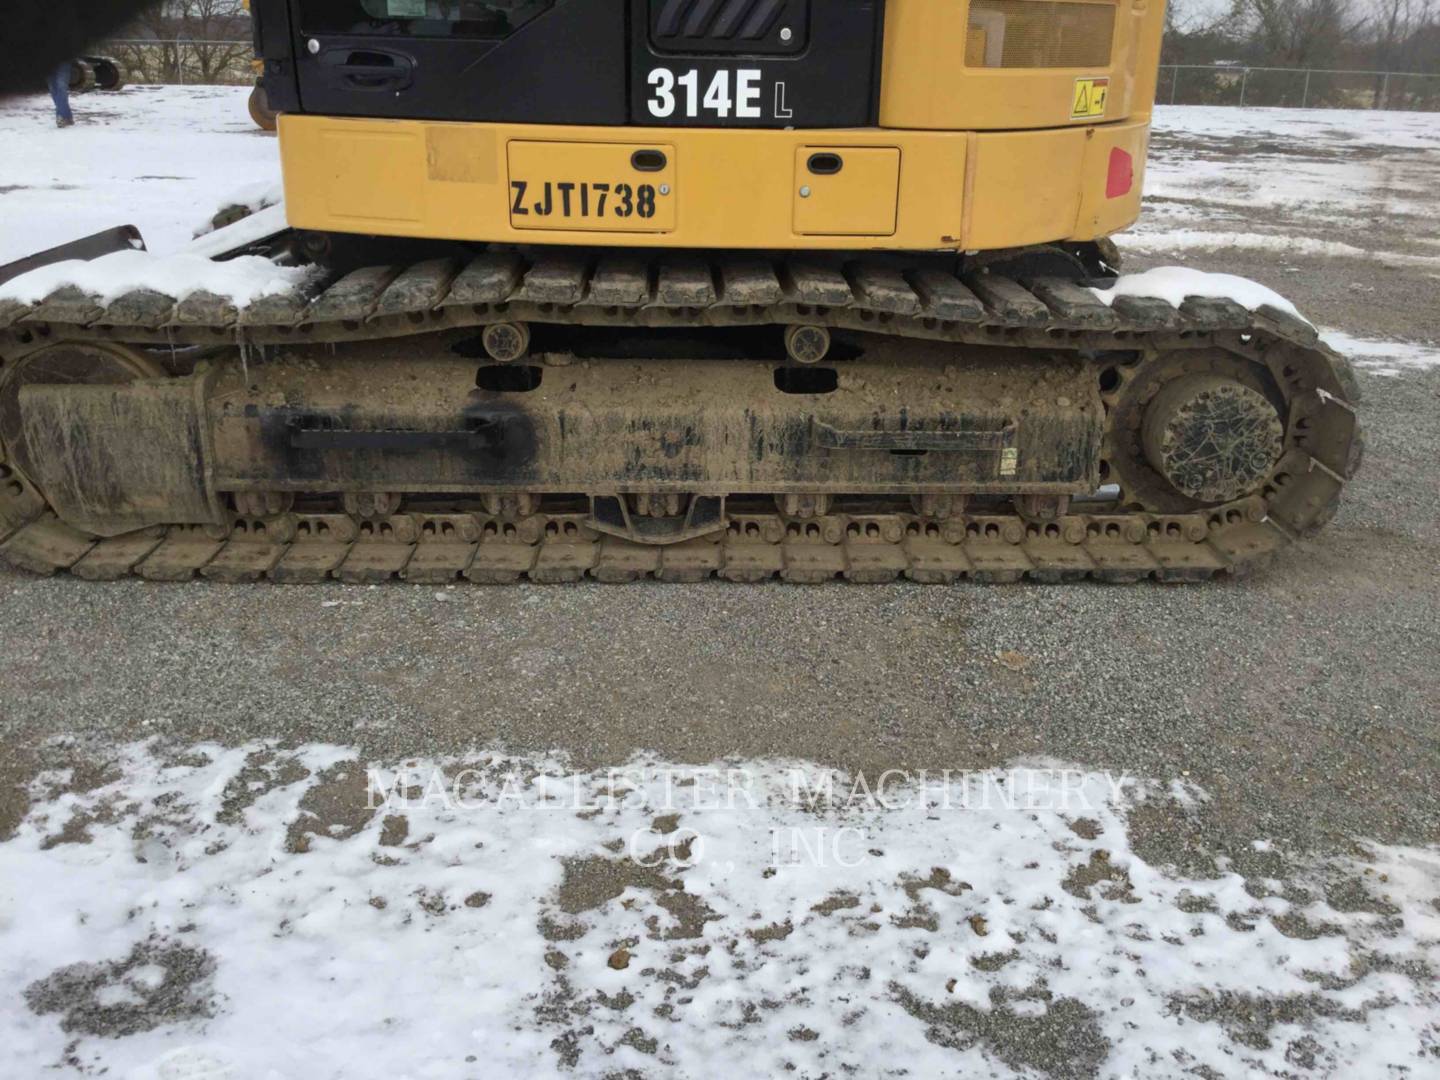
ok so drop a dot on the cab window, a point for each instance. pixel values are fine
(420, 18)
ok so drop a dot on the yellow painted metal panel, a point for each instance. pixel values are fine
(859, 200)
(593, 187)
(394, 187)
(997, 151)
(1035, 187)
(736, 188)
(1102, 214)
(942, 69)
(1025, 187)
(462, 154)
(1148, 27)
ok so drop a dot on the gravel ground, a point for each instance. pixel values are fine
(1304, 699)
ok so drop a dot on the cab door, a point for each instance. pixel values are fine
(520, 61)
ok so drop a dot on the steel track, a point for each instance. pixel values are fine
(1139, 539)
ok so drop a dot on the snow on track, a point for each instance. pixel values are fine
(1176, 284)
(242, 280)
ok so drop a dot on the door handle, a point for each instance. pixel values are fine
(368, 69)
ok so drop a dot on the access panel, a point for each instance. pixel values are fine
(846, 190)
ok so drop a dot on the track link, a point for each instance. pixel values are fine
(1134, 539)
(872, 549)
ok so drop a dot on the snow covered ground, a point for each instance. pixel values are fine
(162, 158)
(1322, 182)
(255, 912)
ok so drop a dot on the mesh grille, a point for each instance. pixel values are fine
(1039, 34)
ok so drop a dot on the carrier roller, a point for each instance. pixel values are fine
(552, 417)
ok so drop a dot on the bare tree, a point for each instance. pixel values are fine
(210, 21)
(1297, 33)
(193, 41)
(1196, 34)
(1405, 34)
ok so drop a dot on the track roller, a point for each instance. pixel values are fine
(506, 342)
(807, 344)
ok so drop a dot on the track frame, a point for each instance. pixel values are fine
(1129, 541)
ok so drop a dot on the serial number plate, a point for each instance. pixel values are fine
(590, 187)
(568, 199)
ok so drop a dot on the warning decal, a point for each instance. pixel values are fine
(1089, 100)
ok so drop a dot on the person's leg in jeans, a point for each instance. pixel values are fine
(60, 94)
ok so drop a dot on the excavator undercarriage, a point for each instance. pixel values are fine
(558, 415)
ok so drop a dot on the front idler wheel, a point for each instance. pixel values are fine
(1213, 439)
(1191, 429)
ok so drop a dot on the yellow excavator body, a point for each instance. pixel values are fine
(1001, 124)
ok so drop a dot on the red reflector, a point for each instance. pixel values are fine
(1122, 174)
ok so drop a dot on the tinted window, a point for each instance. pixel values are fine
(420, 18)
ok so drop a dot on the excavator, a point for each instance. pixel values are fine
(680, 289)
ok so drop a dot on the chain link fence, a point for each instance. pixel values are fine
(1297, 88)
